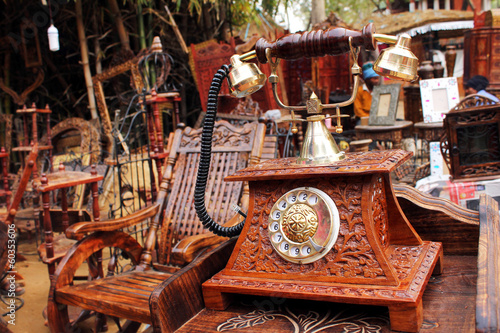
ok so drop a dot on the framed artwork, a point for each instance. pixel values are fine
(438, 97)
(385, 100)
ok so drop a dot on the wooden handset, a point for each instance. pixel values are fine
(327, 226)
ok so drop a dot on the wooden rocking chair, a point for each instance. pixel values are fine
(175, 236)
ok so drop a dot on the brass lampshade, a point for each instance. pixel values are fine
(244, 78)
(397, 61)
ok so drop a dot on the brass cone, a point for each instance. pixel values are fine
(318, 146)
(397, 61)
(245, 78)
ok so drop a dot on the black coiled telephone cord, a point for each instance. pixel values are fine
(205, 158)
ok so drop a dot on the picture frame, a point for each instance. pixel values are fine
(30, 45)
(131, 69)
(438, 97)
(385, 99)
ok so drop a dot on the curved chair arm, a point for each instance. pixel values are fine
(74, 258)
(434, 203)
(78, 230)
(188, 248)
(170, 306)
(89, 245)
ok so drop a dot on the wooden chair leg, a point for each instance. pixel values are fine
(57, 316)
(101, 324)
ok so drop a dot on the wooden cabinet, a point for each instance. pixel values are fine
(482, 56)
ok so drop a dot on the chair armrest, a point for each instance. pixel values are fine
(188, 248)
(428, 201)
(78, 230)
(171, 306)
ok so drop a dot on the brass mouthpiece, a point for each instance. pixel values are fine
(244, 78)
(397, 61)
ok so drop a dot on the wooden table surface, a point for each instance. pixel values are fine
(449, 306)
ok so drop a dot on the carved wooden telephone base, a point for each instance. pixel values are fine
(377, 259)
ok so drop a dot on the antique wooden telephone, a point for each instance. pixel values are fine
(324, 226)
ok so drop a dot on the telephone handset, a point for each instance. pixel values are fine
(319, 147)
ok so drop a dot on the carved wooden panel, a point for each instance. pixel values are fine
(352, 257)
(225, 137)
(377, 257)
(481, 55)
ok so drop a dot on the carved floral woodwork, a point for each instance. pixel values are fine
(351, 256)
(319, 319)
(224, 135)
(377, 258)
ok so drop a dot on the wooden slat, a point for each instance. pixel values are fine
(488, 265)
(125, 296)
(219, 185)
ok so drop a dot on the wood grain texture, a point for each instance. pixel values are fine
(170, 309)
(488, 264)
(448, 306)
(440, 220)
(78, 230)
(123, 296)
(23, 183)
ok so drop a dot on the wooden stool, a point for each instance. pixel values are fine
(429, 131)
(31, 133)
(50, 252)
(360, 145)
(394, 133)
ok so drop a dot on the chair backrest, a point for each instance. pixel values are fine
(470, 144)
(6, 128)
(23, 184)
(233, 148)
(208, 57)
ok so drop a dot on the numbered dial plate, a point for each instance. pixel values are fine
(303, 225)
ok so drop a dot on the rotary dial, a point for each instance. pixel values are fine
(303, 225)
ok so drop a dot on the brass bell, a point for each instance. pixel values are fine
(319, 147)
(397, 61)
(245, 78)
